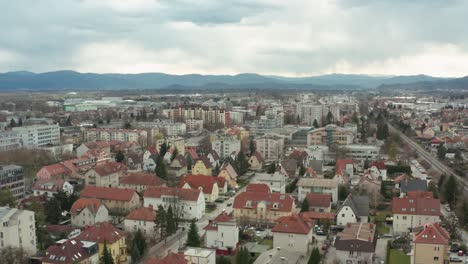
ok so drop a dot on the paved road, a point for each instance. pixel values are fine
(435, 163)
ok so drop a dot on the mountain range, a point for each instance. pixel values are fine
(71, 80)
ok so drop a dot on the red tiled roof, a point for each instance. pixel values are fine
(57, 229)
(90, 203)
(107, 193)
(110, 167)
(293, 224)
(205, 161)
(173, 258)
(432, 234)
(142, 178)
(101, 232)
(143, 214)
(284, 202)
(319, 199)
(52, 185)
(221, 218)
(318, 215)
(379, 164)
(184, 194)
(56, 169)
(153, 151)
(221, 181)
(416, 203)
(341, 165)
(204, 182)
(258, 188)
(70, 251)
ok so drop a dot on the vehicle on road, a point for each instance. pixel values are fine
(454, 248)
(229, 204)
(456, 259)
(460, 253)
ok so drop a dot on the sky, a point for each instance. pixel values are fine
(272, 37)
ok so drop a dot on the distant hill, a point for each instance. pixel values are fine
(429, 84)
(71, 80)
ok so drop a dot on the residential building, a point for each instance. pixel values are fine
(356, 243)
(72, 251)
(362, 153)
(309, 112)
(194, 124)
(431, 245)
(262, 208)
(229, 174)
(116, 200)
(378, 170)
(276, 181)
(416, 209)
(222, 233)
(51, 187)
(202, 166)
(208, 185)
(187, 203)
(412, 185)
(17, 229)
(317, 185)
(139, 181)
(293, 233)
(141, 219)
(289, 167)
(200, 255)
(88, 211)
(224, 146)
(279, 256)
(171, 258)
(175, 129)
(12, 178)
(270, 147)
(38, 135)
(9, 140)
(106, 174)
(319, 202)
(107, 134)
(105, 233)
(353, 210)
(256, 161)
(330, 135)
(178, 166)
(258, 187)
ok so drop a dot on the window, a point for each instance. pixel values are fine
(436, 258)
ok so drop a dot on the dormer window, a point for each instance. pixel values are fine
(403, 209)
(248, 204)
(275, 206)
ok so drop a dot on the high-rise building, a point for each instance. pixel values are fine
(17, 229)
(38, 135)
(12, 178)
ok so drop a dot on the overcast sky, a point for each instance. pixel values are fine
(282, 37)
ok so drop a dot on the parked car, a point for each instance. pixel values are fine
(454, 248)
(456, 259)
(229, 204)
(219, 200)
(321, 233)
(460, 253)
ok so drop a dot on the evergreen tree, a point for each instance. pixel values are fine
(330, 118)
(160, 221)
(316, 124)
(189, 162)
(271, 168)
(127, 125)
(135, 255)
(216, 170)
(314, 256)
(20, 122)
(163, 149)
(343, 192)
(252, 147)
(242, 163)
(451, 190)
(106, 257)
(193, 238)
(12, 123)
(119, 157)
(223, 260)
(243, 256)
(53, 211)
(138, 246)
(382, 131)
(355, 118)
(161, 170)
(7, 198)
(302, 170)
(170, 221)
(441, 151)
(305, 205)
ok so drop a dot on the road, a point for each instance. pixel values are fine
(435, 163)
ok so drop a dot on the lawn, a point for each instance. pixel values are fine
(267, 242)
(398, 257)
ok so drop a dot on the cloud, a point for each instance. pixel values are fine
(294, 37)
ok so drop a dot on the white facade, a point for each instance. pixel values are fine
(226, 236)
(108, 134)
(187, 209)
(315, 185)
(276, 181)
(46, 189)
(225, 146)
(403, 222)
(17, 229)
(9, 140)
(270, 147)
(363, 152)
(147, 227)
(176, 129)
(292, 242)
(346, 215)
(200, 255)
(38, 135)
(87, 218)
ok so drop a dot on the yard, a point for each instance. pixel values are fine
(267, 242)
(398, 257)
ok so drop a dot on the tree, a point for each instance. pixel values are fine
(242, 163)
(243, 256)
(160, 221)
(216, 170)
(127, 125)
(222, 260)
(163, 149)
(119, 157)
(330, 118)
(138, 246)
(175, 152)
(193, 238)
(271, 168)
(12, 123)
(441, 151)
(189, 162)
(161, 170)
(252, 147)
(13, 255)
(170, 221)
(20, 122)
(106, 257)
(7, 198)
(135, 255)
(451, 190)
(53, 211)
(355, 118)
(343, 192)
(316, 124)
(302, 170)
(314, 256)
(305, 205)
(382, 131)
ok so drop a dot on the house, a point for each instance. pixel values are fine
(412, 185)
(116, 200)
(262, 208)
(106, 174)
(356, 243)
(416, 209)
(178, 166)
(187, 203)
(51, 187)
(319, 217)
(198, 255)
(208, 185)
(222, 232)
(278, 256)
(88, 211)
(258, 187)
(317, 185)
(139, 181)
(344, 170)
(229, 174)
(300, 156)
(378, 170)
(171, 258)
(256, 161)
(88, 146)
(289, 167)
(319, 202)
(431, 245)
(293, 233)
(72, 251)
(149, 159)
(213, 157)
(202, 166)
(276, 181)
(58, 231)
(353, 210)
(18, 229)
(134, 161)
(141, 219)
(105, 233)
(57, 170)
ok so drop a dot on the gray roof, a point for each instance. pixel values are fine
(359, 204)
(411, 185)
(280, 256)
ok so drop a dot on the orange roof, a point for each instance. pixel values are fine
(90, 203)
(249, 200)
(199, 181)
(143, 214)
(221, 218)
(319, 199)
(293, 224)
(432, 234)
(110, 167)
(101, 232)
(416, 203)
(258, 187)
(141, 178)
(105, 193)
(318, 215)
(341, 165)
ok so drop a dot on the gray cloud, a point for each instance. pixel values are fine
(296, 37)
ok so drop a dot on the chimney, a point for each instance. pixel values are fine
(278, 248)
